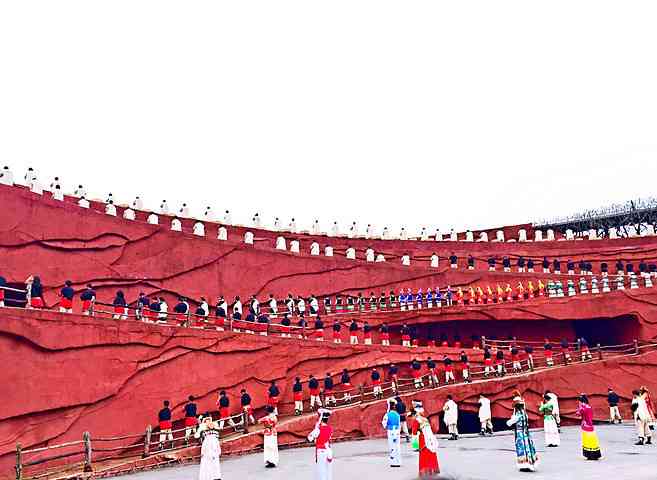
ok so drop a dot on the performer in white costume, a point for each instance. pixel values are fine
(451, 417)
(321, 435)
(208, 432)
(270, 438)
(392, 424)
(6, 176)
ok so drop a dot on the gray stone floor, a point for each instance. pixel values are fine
(471, 458)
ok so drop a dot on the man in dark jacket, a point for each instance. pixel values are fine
(613, 400)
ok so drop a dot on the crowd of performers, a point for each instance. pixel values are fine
(407, 299)
(413, 424)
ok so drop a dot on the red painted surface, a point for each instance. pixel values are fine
(67, 374)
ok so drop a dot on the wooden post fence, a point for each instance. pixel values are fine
(245, 422)
(147, 441)
(86, 437)
(599, 348)
(636, 347)
(19, 462)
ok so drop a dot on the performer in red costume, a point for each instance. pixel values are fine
(321, 435)
(428, 464)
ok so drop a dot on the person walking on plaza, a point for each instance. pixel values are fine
(552, 437)
(642, 417)
(208, 432)
(427, 444)
(485, 416)
(451, 417)
(322, 436)
(590, 443)
(554, 401)
(612, 401)
(526, 457)
(270, 438)
(392, 425)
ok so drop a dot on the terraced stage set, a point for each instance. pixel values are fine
(67, 374)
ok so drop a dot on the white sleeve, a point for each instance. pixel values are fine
(429, 438)
(512, 421)
(314, 434)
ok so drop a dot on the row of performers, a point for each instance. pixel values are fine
(209, 433)
(494, 364)
(407, 299)
(394, 422)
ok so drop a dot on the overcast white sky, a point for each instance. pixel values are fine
(444, 114)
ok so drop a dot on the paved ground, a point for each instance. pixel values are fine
(472, 458)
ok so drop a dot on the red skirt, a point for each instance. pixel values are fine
(314, 392)
(224, 412)
(428, 464)
(119, 310)
(336, 335)
(191, 421)
(406, 338)
(367, 336)
(165, 425)
(319, 333)
(66, 303)
(488, 362)
(376, 382)
(273, 401)
(549, 353)
(218, 321)
(86, 305)
(449, 368)
(417, 373)
(298, 396)
(36, 302)
(385, 336)
(2, 294)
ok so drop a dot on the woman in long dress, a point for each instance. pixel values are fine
(208, 432)
(270, 438)
(526, 457)
(590, 444)
(552, 437)
(428, 445)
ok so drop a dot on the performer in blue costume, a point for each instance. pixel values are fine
(392, 424)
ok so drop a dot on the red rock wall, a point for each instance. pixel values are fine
(67, 374)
